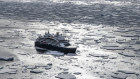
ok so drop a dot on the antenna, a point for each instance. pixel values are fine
(48, 32)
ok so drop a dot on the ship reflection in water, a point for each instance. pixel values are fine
(53, 42)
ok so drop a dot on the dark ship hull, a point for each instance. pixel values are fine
(56, 48)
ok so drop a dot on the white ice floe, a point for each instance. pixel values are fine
(10, 71)
(55, 53)
(65, 75)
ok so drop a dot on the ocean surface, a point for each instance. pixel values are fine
(106, 12)
(106, 33)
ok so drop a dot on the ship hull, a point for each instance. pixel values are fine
(56, 48)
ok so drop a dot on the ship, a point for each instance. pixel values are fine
(54, 42)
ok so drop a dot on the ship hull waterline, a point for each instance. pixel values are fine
(65, 50)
